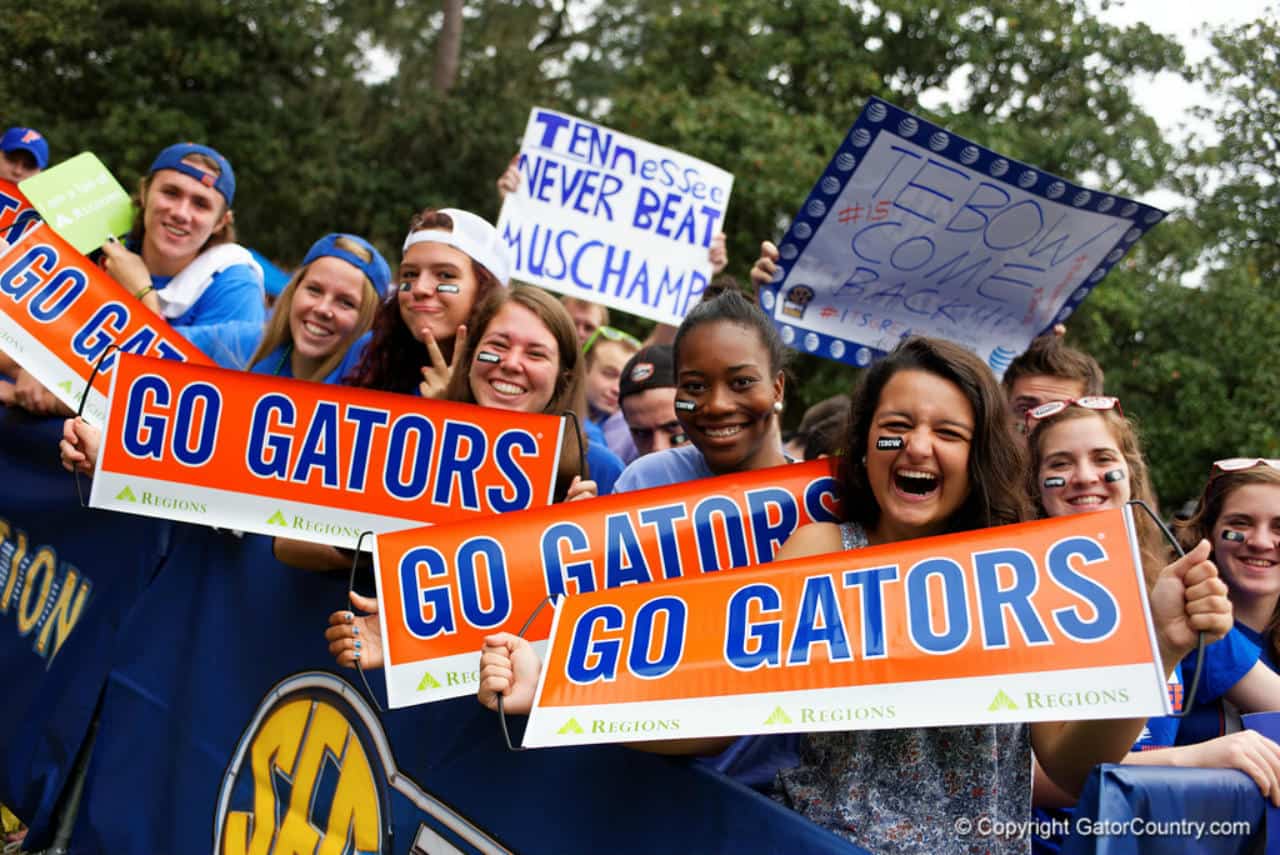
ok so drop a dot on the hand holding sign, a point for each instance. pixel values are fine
(766, 266)
(354, 637)
(1187, 599)
(79, 446)
(127, 268)
(509, 667)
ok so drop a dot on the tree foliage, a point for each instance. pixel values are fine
(352, 114)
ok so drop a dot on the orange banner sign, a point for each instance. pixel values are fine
(443, 589)
(59, 313)
(17, 215)
(309, 461)
(1039, 621)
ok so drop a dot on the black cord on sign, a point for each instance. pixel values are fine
(1189, 696)
(582, 443)
(351, 587)
(502, 714)
(84, 396)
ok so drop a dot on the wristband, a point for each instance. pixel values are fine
(145, 291)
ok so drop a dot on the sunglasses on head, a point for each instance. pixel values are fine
(1089, 402)
(612, 334)
(1239, 464)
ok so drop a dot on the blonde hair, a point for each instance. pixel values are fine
(277, 331)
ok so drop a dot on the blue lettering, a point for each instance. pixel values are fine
(748, 643)
(183, 452)
(48, 305)
(664, 520)
(460, 467)
(90, 341)
(419, 464)
(365, 419)
(624, 561)
(763, 504)
(1068, 619)
(558, 573)
(261, 439)
(820, 622)
(638, 660)
(705, 534)
(590, 658)
(143, 433)
(872, 582)
(955, 609)
(427, 612)
(469, 584)
(320, 447)
(994, 600)
(506, 448)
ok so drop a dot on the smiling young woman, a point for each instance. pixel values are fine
(452, 260)
(729, 369)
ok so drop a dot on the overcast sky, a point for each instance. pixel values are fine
(1168, 97)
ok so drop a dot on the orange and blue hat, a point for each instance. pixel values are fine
(29, 140)
(172, 158)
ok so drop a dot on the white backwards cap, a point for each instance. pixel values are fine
(472, 235)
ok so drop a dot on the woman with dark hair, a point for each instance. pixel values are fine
(1239, 513)
(452, 260)
(729, 367)
(930, 450)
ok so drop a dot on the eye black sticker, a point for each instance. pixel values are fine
(1113, 476)
(1054, 483)
(488, 356)
(448, 288)
(685, 406)
(1233, 536)
(889, 443)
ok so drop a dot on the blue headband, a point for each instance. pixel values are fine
(376, 268)
(171, 158)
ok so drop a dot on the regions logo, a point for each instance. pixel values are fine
(314, 772)
(1001, 702)
(778, 716)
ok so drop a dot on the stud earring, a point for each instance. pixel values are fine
(777, 407)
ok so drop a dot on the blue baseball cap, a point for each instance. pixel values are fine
(171, 158)
(376, 268)
(27, 139)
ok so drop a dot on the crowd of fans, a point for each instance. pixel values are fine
(926, 442)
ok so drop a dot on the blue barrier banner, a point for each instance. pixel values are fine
(914, 230)
(224, 725)
(62, 599)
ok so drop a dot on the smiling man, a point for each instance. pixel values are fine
(1049, 370)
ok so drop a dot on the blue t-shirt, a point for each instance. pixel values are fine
(234, 294)
(605, 467)
(229, 344)
(671, 466)
(1226, 661)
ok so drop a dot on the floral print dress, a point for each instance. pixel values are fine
(908, 791)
